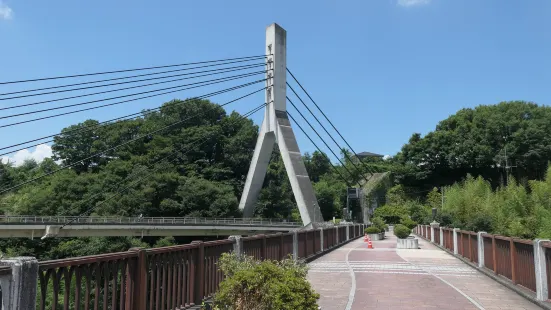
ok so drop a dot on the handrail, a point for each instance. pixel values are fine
(32, 219)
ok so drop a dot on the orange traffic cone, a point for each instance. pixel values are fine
(369, 244)
(366, 238)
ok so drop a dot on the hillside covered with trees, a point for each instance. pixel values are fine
(206, 177)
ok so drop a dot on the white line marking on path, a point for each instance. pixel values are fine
(479, 306)
(353, 285)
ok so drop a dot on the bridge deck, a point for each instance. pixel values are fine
(354, 277)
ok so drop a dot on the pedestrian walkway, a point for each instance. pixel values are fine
(355, 277)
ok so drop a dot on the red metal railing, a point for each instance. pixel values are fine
(162, 278)
(524, 263)
(511, 258)
(437, 235)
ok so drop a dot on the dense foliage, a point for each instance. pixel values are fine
(480, 142)
(264, 285)
(205, 179)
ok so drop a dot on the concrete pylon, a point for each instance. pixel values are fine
(276, 128)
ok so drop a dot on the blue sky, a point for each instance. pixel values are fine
(381, 69)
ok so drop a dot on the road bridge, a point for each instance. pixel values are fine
(30, 226)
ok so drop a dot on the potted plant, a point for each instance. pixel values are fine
(405, 241)
(374, 233)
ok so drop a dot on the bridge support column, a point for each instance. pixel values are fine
(480, 248)
(276, 128)
(542, 290)
(19, 288)
(237, 245)
(455, 245)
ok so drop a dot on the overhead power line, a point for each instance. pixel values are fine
(125, 101)
(319, 136)
(126, 77)
(202, 141)
(129, 95)
(331, 123)
(327, 132)
(111, 121)
(131, 70)
(325, 155)
(148, 134)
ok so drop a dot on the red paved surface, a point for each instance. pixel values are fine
(387, 278)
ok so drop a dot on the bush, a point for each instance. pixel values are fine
(264, 285)
(379, 223)
(372, 230)
(401, 231)
(409, 223)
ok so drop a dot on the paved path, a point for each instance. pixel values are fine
(354, 277)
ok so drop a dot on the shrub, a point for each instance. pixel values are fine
(401, 231)
(372, 230)
(379, 223)
(264, 285)
(409, 223)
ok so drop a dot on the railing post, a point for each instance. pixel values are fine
(337, 235)
(480, 244)
(19, 288)
(513, 252)
(321, 240)
(199, 273)
(347, 233)
(455, 247)
(494, 257)
(137, 282)
(263, 250)
(431, 233)
(281, 246)
(542, 291)
(237, 245)
(441, 237)
(295, 245)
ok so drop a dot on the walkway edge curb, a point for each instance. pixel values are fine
(527, 295)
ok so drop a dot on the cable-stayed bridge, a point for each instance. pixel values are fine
(86, 92)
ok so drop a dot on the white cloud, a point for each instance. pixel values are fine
(413, 2)
(41, 152)
(5, 11)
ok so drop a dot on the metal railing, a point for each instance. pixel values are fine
(509, 258)
(102, 220)
(173, 277)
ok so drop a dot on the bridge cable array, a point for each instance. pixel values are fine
(353, 171)
(216, 81)
(111, 121)
(319, 136)
(122, 78)
(24, 145)
(329, 121)
(319, 150)
(131, 70)
(148, 134)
